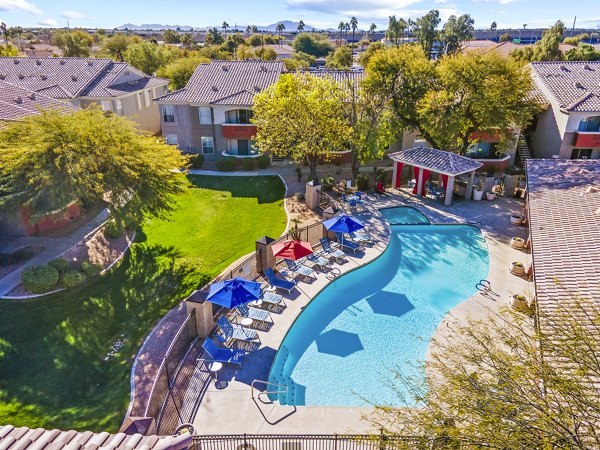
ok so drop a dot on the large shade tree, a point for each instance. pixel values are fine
(303, 116)
(53, 158)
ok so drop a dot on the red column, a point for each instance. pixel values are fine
(399, 167)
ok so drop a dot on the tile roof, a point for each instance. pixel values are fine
(17, 102)
(574, 85)
(437, 160)
(215, 82)
(564, 224)
(23, 438)
(65, 78)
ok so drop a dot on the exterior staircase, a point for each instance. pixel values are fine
(523, 151)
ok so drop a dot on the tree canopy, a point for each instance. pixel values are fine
(303, 116)
(73, 43)
(149, 57)
(51, 159)
(180, 71)
(340, 59)
(455, 31)
(546, 49)
(502, 383)
(312, 44)
(425, 30)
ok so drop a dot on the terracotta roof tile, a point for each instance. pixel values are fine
(17, 102)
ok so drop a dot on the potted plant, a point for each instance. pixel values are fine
(517, 243)
(490, 196)
(478, 191)
(517, 268)
(519, 302)
(516, 219)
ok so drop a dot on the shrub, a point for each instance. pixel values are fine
(249, 163)
(196, 161)
(62, 265)
(39, 279)
(362, 182)
(226, 164)
(113, 230)
(263, 161)
(90, 269)
(71, 279)
(327, 183)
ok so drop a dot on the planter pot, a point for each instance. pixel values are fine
(516, 220)
(519, 302)
(477, 194)
(517, 243)
(491, 196)
(517, 268)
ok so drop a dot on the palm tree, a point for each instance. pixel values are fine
(300, 26)
(248, 30)
(224, 28)
(341, 27)
(347, 29)
(280, 28)
(254, 29)
(402, 26)
(372, 29)
(354, 25)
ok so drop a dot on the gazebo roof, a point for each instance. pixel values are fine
(436, 160)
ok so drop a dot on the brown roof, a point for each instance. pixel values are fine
(564, 224)
(17, 102)
(437, 160)
(224, 82)
(23, 438)
(574, 85)
(65, 78)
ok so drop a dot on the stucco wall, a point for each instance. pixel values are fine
(546, 140)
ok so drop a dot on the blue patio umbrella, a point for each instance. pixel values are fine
(231, 293)
(343, 224)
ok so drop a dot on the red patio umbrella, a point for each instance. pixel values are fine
(292, 249)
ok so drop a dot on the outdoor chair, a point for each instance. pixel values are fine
(330, 251)
(252, 313)
(231, 332)
(300, 269)
(361, 237)
(223, 355)
(279, 283)
(271, 300)
(347, 243)
(318, 261)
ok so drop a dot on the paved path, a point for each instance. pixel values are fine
(53, 248)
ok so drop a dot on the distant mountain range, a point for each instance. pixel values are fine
(289, 26)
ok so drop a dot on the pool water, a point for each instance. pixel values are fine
(342, 348)
(404, 215)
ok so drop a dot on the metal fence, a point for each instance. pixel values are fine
(171, 363)
(305, 442)
(248, 268)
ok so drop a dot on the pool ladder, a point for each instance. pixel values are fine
(278, 392)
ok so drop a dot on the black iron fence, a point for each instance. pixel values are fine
(248, 269)
(306, 442)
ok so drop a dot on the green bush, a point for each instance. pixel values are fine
(71, 279)
(196, 161)
(226, 164)
(263, 161)
(327, 183)
(249, 163)
(90, 269)
(113, 230)
(62, 265)
(39, 279)
(362, 182)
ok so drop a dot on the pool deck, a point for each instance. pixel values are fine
(228, 407)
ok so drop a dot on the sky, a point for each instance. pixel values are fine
(317, 13)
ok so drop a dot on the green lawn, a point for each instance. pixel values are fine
(52, 369)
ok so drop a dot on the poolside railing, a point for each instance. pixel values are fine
(304, 442)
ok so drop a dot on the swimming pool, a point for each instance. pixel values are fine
(342, 347)
(404, 215)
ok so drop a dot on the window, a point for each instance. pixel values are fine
(204, 115)
(207, 144)
(581, 153)
(106, 105)
(242, 116)
(171, 139)
(590, 124)
(119, 105)
(147, 95)
(168, 113)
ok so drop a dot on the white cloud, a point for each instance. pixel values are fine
(73, 15)
(48, 23)
(499, 2)
(19, 5)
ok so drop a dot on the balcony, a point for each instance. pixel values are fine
(586, 139)
(238, 131)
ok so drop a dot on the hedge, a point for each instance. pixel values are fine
(39, 279)
(226, 164)
(362, 182)
(90, 269)
(72, 279)
(249, 163)
(62, 265)
(263, 161)
(113, 230)
(196, 161)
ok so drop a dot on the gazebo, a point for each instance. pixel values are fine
(426, 160)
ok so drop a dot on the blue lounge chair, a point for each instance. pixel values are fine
(279, 283)
(232, 332)
(271, 300)
(318, 261)
(347, 243)
(361, 237)
(223, 355)
(252, 313)
(299, 269)
(330, 251)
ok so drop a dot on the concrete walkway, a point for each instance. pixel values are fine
(228, 407)
(53, 248)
